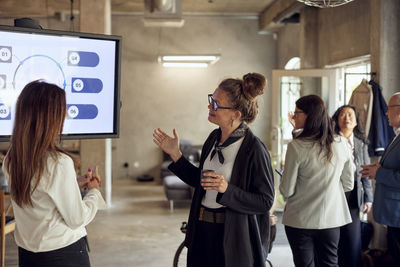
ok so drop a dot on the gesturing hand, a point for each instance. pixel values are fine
(291, 120)
(168, 144)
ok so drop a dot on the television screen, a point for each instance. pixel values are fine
(86, 66)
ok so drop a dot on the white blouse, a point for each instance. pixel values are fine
(230, 153)
(59, 214)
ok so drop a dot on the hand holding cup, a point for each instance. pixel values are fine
(212, 181)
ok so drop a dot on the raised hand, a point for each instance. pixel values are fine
(82, 182)
(291, 120)
(93, 179)
(168, 144)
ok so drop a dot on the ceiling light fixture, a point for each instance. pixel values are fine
(188, 61)
(325, 3)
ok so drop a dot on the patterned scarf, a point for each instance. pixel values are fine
(236, 135)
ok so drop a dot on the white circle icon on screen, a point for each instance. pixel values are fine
(4, 111)
(73, 111)
(74, 58)
(78, 85)
(5, 54)
(2, 82)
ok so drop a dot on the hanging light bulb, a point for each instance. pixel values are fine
(325, 3)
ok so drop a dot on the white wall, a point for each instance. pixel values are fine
(153, 96)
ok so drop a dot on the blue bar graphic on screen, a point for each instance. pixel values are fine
(86, 85)
(83, 59)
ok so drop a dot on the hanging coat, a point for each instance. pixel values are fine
(380, 133)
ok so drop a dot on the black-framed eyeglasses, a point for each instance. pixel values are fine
(214, 104)
(295, 113)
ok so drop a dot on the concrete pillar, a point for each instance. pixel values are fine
(95, 17)
(389, 47)
(375, 37)
(309, 49)
(309, 37)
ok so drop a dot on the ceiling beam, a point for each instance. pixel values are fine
(275, 12)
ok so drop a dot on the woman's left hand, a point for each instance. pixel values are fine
(214, 182)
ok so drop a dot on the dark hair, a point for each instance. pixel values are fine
(358, 131)
(318, 125)
(243, 94)
(39, 119)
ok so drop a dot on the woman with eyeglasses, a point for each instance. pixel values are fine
(318, 170)
(348, 124)
(234, 190)
(49, 211)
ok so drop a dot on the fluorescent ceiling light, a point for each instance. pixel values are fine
(189, 58)
(191, 61)
(185, 64)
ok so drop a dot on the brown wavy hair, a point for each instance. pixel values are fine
(39, 119)
(243, 94)
(318, 125)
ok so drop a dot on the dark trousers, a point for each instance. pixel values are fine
(74, 255)
(207, 249)
(393, 239)
(349, 251)
(310, 245)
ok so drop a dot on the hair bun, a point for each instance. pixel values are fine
(253, 85)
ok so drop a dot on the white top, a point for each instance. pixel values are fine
(225, 169)
(59, 215)
(350, 144)
(314, 188)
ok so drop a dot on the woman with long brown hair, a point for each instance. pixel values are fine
(318, 170)
(50, 214)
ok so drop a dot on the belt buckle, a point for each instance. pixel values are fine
(201, 214)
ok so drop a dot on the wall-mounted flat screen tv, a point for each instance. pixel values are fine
(86, 66)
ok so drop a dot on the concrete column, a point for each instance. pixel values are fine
(375, 37)
(309, 37)
(95, 17)
(389, 47)
(309, 49)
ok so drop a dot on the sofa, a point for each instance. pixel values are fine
(175, 189)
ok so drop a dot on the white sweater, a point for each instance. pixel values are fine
(59, 215)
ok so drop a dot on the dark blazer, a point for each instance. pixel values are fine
(380, 133)
(248, 199)
(364, 187)
(386, 207)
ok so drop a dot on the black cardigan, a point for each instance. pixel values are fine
(248, 199)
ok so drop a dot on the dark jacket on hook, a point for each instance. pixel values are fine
(380, 133)
(248, 199)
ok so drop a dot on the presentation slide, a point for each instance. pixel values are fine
(84, 68)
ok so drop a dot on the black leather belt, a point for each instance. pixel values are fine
(207, 215)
